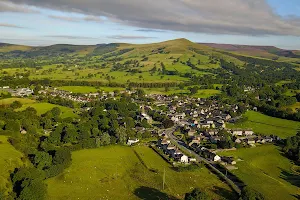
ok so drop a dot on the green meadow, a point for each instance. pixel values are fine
(10, 159)
(117, 172)
(88, 89)
(205, 93)
(42, 108)
(11, 100)
(266, 170)
(267, 125)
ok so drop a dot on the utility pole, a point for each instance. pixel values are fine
(164, 178)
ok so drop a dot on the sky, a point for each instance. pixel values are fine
(249, 22)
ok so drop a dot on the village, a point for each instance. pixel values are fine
(199, 124)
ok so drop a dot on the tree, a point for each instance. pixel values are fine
(42, 160)
(193, 90)
(197, 194)
(16, 105)
(28, 184)
(13, 125)
(56, 111)
(121, 135)
(168, 123)
(105, 139)
(70, 134)
(250, 194)
(62, 156)
(140, 92)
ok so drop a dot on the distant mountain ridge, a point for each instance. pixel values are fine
(253, 50)
(177, 45)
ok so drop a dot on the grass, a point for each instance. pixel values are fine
(117, 172)
(267, 125)
(11, 100)
(42, 108)
(292, 93)
(205, 93)
(78, 89)
(267, 171)
(10, 158)
(88, 89)
(295, 106)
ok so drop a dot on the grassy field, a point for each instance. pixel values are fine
(267, 125)
(267, 171)
(117, 172)
(88, 89)
(200, 94)
(42, 108)
(10, 158)
(295, 106)
(10, 100)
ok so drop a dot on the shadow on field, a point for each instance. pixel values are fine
(148, 193)
(292, 178)
(224, 193)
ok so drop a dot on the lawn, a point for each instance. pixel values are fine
(10, 100)
(266, 170)
(42, 108)
(267, 125)
(116, 172)
(10, 158)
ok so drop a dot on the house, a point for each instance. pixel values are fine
(216, 158)
(238, 141)
(146, 117)
(237, 133)
(184, 159)
(250, 141)
(23, 131)
(132, 141)
(191, 133)
(228, 160)
(248, 132)
(205, 125)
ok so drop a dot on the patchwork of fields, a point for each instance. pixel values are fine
(267, 125)
(42, 108)
(116, 172)
(265, 169)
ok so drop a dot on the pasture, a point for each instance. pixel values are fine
(117, 172)
(266, 170)
(205, 93)
(11, 100)
(42, 108)
(10, 158)
(267, 125)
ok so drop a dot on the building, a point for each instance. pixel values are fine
(132, 141)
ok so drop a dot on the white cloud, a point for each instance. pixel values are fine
(245, 17)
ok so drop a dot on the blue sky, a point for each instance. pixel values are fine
(253, 22)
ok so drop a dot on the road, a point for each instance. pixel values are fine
(182, 146)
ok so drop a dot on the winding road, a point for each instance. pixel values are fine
(182, 147)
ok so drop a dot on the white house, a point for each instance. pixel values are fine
(132, 141)
(184, 159)
(248, 132)
(217, 158)
(239, 133)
